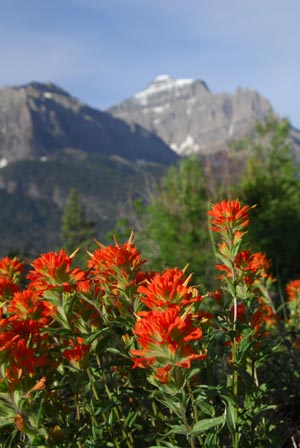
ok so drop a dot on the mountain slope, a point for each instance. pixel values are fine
(33, 194)
(192, 119)
(50, 143)
(43, 121)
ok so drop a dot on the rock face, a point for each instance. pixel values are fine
(190, 118)
(42, 121)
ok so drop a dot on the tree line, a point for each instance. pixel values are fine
(172, 228)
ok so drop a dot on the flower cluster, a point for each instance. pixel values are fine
(115, 273)
(54, 270)
(11, 271)
(293, 302)
(293, 290)
(67, 335)
(245, 274)
(229, 216)
(166, 333)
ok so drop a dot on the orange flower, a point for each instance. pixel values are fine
(163, 374)
(77, 351)
(293, 290)
(23, 346)
(228, 215)
(41, 384)
(168, 289)
(117, 265)
(7, 289)
(19, 421)
(260, 263)
(240, 311)
(248, 266)
(165, 339)
(264, 317)
(53, 270)
(11, 268)
(27, 304)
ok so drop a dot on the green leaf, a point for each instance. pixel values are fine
(262, 412)
(207, 408)
(178, 429)
(95, 335)
(131, 418)
(206, 424)
(115, 351)
(211, 440)
(244, 346)
(193, 372)
(231, 417)
(230, 412)
(167, 444)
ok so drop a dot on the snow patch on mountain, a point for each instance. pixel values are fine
(3, 162)
(160, 84)
(187, 147)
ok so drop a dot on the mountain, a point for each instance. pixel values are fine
(49, 143)
(190, 119)
(42, 121)
(33, 194)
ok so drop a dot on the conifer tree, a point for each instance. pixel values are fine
(271, 182)
(76, 230)
(176, 230)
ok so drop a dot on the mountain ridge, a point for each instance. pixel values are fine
(191, 119)
(42, 120)
(51, 142)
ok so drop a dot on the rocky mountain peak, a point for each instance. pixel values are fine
(42, 121)
(190, 118)
(44, 88)
(165, 87)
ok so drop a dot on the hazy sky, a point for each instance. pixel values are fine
(103, 51)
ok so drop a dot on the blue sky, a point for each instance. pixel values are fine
(103, 51)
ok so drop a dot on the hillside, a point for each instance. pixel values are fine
(43, 121)
(33, 194)
(51, 142)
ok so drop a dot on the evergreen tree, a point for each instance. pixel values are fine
(176, 227)
(76, 231)
(271, 181)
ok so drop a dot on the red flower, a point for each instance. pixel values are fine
(228, 215)
(168, 289)
(77, 351)
(163, 374)
(7, 289)
(240, 311)
(117, 265)
(23, 347)
(53, 270)
(27, 304)
(263, 317)
(11, 268)
(165, 339)
(248, 266)
(293, 290)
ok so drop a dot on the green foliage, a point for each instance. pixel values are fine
(271, 181)
(27, 225)
(121, 357)
(34, 193)
(77, 232)
(176, 230)
(263, 172)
